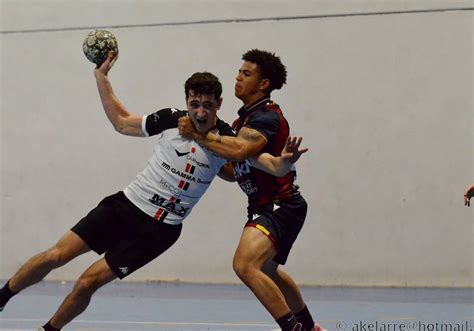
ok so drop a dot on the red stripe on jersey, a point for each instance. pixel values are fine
(193, 149)
(158, 213)
(163, 216)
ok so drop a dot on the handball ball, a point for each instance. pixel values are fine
(98, 44)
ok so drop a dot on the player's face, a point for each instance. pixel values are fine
(249, 86)
(202, 110)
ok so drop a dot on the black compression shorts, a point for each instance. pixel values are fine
(128, 237)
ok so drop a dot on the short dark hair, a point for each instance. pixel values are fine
(270, 67)
(203, 83)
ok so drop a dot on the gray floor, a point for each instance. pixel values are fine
(165, 306)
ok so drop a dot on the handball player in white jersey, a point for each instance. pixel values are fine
(136, 225)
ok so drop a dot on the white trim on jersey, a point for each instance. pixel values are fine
(144, 126)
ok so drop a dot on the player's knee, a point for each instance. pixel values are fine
(86, 285)
(53, 257)
(242, 268)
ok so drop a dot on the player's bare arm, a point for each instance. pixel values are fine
(249, 142)
(281, 165)
(117, 113)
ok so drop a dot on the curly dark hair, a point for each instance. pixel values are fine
(203, 83)
(270, 67)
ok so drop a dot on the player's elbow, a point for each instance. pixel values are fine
(120, 125)
(119, 128)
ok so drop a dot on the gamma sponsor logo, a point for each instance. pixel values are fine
(187, 174)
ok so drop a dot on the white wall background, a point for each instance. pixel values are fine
(385, 103)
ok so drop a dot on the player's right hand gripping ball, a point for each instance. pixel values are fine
(98, 44)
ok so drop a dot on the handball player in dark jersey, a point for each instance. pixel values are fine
(276, 209)
(136, 225)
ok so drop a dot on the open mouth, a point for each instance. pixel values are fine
(201, 121)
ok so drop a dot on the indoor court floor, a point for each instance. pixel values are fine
(174, 306)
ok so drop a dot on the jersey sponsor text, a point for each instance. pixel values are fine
(169, 206)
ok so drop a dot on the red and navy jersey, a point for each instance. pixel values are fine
(261, 188)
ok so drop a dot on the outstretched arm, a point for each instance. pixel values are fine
(118, 115)
(280, 166)
(248, 142)
(468, 195)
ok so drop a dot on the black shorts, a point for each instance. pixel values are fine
(281, 225)
(128, 237)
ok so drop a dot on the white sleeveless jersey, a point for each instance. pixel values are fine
(178, 173)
